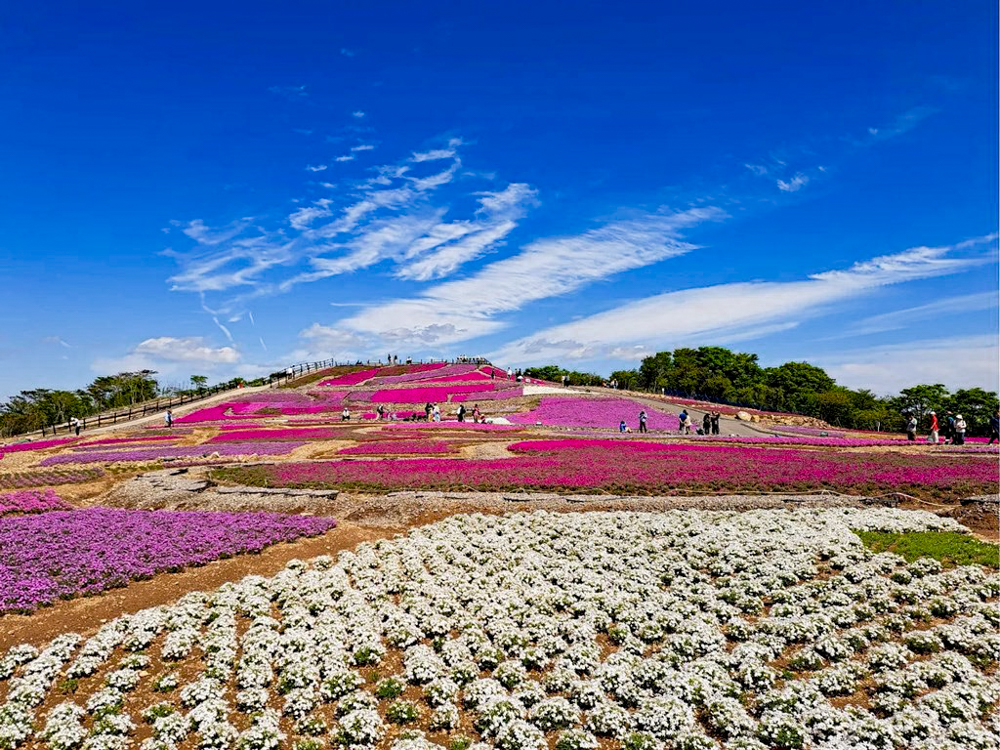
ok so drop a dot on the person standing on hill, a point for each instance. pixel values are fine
(994, 428)
(685, 422)
(642, 421)
(715, 422)
(437, 413)
(168, 418)
(949, 428)
(706, 424)
(960, 426)
(911, 428)
(933, 437)
(461, 413)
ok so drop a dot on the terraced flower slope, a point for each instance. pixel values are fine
(675, 631)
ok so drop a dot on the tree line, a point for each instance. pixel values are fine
(43, 407)
(719, 375)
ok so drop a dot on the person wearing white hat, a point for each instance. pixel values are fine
(959, 430)
(933, 437)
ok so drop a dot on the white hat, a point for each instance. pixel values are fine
(958, 416)
(932, 412)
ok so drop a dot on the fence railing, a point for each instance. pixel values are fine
(278, 378)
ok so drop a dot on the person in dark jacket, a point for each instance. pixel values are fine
(715, 423)
(994, 428)
(706, 424)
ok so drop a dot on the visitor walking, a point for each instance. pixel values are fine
(345, 415)
(461, 413)
(911, 428)
(715, 422)
(437, 413)
(994, 428)
(949, 428)
(168, 418)
(381, 412)
(706, 424)
(476, 416)
(76, 424)
(685, 423)
(960, 426)
(428, 408)
(933, 437)
(642, 421)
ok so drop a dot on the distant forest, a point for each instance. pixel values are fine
(714, 373)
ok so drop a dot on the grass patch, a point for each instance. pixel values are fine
(948, 547)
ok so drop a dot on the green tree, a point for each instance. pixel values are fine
(976, 406)
(552, 373)
(654, 371)
(921, 399)
(199, 382)
(627, 379)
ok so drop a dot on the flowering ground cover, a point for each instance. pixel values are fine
(459, 377)
(270, 435)
(677, 631)
(576, 411)
(351, 378)
(641, 467)
(36, 445)
(70, 553)
(399, 446)
(420, 395)
(128, 439)
(271, 448)
(21, 479)
(31, 501)
(501, 393)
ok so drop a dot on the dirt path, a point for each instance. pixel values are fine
(86, 614)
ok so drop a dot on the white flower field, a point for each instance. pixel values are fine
(686, 629)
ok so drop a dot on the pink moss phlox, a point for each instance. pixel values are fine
(419, 395)
(31, 501)
(577, 411)
(350, 378)
(181, 451)
(70, 553)
(269, 435)
(37, 445)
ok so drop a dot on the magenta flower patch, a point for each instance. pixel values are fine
(71, 553)
(31, 501)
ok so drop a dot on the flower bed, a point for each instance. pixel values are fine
(460, 377)
(71, 553)
(421, 395)
(126, 440)
(681, 630)
(645, 468)
(398, 446)
(350, 378)
(501, 393)
(570, 411)
(20, 479)
(36, 445)
(31, 501)
(273, 448)
(419, 372)
(301, 434)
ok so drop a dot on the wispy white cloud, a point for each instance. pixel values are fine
(345, 157)
(963, 362)
(542, 269)
(363, 147)
(303, 217)
(357, 114)
(795, 184)
(902, 123)
(57, 341)
(732, 312)
(901, 319)
(316, 168)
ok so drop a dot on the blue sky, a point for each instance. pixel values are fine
(220, 190)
